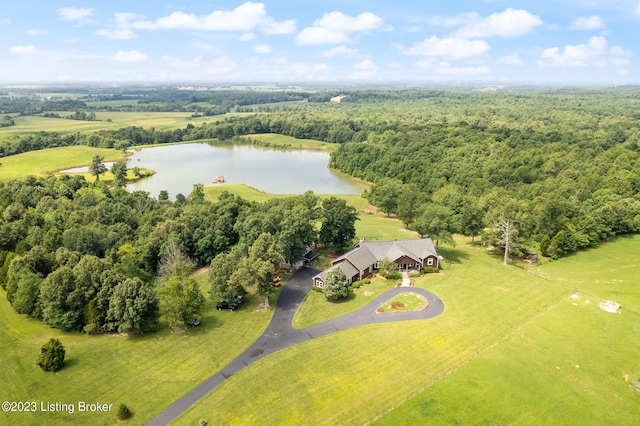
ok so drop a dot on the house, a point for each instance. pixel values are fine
(366, 258)
(218, 179)
(309, 256)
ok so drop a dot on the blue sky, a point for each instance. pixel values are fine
(564, 41)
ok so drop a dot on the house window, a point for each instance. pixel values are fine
(430, 261)
(319, 284)
(378, 264)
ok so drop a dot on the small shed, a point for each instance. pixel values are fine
(218, 179)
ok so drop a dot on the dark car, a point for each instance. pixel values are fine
(231, 304)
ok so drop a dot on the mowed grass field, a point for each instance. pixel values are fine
(573, 364)
(146, 372)
(283, 141)
(52, 159)
(514, 345)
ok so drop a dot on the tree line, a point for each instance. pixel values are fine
(88, 257)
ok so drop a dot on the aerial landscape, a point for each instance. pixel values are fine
(310, 213)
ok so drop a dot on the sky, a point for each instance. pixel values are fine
(569, 42)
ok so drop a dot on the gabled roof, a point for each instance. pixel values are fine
(360, 257)
(347, 268)
(416, 249)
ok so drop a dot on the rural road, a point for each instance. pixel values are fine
(280, 334)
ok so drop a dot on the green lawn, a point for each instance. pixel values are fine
(353, 377)
(574, 364)
(52, 159)
(146, 372)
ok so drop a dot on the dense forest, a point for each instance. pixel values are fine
(562, 164)
(93, 258)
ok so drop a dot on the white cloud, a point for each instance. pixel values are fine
(117, 34)
(245, 17)
(582, 55)
(511, 60)
(510, 23)
(452, 48)
(592, 22)
(339, 51)
(638, 9)
(285, 27)
(445, 69)
(262, 48)
(364, 70)
(335, 27)
(247, 37)
(23, 50)
(79, 14)
(130, 56)
(34, 32)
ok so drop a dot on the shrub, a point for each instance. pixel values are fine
(203, 422)
(51, 355)
(395, 275)
(429, 270)
(414, 274)
(356, 284)
(123, 412)
(317, 289)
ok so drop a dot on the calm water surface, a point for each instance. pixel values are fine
(179, 167)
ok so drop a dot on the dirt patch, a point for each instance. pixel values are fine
(396, 305)
(260, 308)
(368, 293)
(179, 330)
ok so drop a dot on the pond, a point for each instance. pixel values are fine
(179, 167)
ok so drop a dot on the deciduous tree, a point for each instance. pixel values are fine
(97, 167)
(336, 286)
(181, 300)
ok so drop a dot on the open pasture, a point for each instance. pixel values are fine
(52, 159)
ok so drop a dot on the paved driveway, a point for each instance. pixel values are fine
(279, 334)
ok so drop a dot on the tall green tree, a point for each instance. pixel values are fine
(220, 271)
(97, 166)
(338, 224)
(435, 222)
(471, 218)
(265, 256)
(119, 171)
(384, 194)
(408, 204)
(133, 306)
(181, 300)
(336, 286)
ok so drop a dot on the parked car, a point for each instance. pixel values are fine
(231, 304)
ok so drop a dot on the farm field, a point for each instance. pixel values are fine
(159, 120)
(52, 159)
(513, 346)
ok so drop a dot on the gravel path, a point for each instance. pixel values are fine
(280, 334)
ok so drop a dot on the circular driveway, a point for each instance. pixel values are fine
(280, 334)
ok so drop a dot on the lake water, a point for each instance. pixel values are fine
(179, 167)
